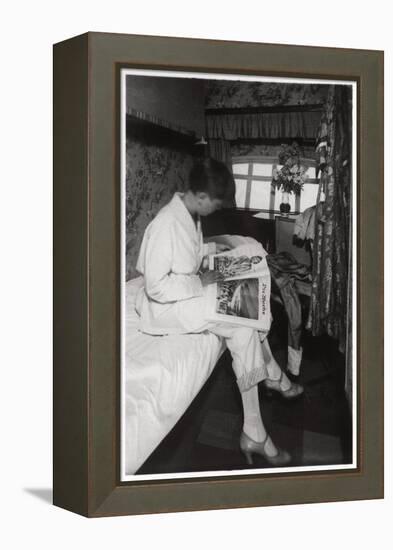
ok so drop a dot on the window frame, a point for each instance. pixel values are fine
(249, 177)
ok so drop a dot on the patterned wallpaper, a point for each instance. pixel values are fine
(153, 174)
(231, 94)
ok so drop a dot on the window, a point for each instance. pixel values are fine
(253, 178)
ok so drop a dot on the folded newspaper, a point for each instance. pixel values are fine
(243, 296)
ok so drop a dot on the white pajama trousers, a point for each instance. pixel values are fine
(252, 359)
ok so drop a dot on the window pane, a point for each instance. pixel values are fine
(262, 169)
(311, 172)
(260, 195)
(240, 196)
(308, 196)
(241, 169)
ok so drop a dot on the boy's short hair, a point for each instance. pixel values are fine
(214, 178)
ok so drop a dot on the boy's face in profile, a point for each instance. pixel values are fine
(206, 205)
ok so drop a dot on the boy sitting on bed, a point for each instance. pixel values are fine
(173, 298)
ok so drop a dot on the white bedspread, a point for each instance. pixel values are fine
(163, 374)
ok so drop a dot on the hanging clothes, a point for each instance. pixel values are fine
(305, 225)
(285, 270)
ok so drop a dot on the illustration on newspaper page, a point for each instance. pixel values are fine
(243, 296)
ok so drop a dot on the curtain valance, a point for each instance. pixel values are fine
(263, 125)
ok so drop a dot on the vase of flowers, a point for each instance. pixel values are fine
(292, 175)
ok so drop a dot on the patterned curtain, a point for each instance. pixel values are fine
(329, 297)
(348, 359)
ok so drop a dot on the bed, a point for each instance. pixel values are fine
(162, 375)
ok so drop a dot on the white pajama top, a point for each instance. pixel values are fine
(172, 300)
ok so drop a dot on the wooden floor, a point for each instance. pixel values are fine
(315, 428)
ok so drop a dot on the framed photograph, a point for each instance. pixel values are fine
(218, 274)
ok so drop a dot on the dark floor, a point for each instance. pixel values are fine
(315, 428)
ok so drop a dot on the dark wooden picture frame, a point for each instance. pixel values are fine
(86, 274)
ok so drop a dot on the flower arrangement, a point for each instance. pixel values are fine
(292, 176)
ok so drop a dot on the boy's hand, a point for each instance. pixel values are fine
(210, 277)
(222, 247)
(204, 264)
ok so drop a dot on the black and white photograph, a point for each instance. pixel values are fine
(153, 154)
(211, 164)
